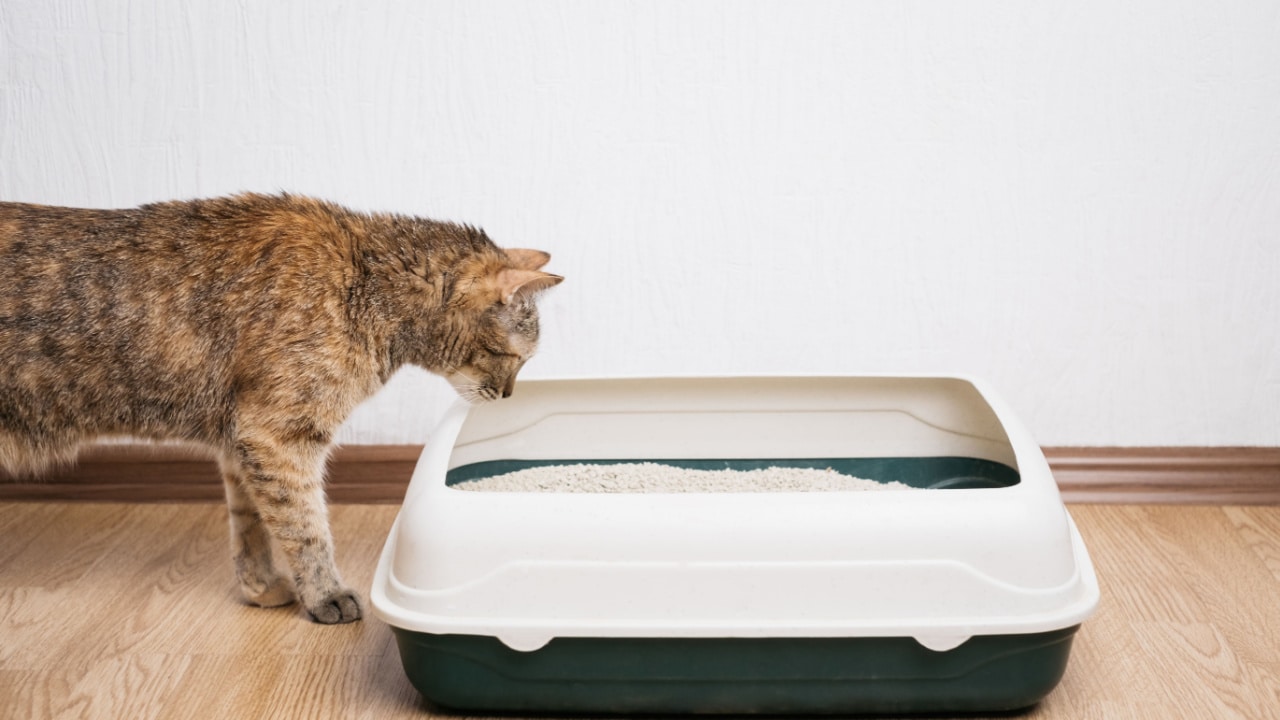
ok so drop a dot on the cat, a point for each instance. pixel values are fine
(251, 324)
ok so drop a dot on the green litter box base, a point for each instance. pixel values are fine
(847, 676)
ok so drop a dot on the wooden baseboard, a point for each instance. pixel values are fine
(168, 473)
(380, 474)
(1185, 475)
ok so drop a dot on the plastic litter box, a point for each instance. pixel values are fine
(961, 596)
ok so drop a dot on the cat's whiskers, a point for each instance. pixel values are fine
(473, 391)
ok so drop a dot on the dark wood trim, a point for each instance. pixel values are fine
(138, 472)
(1185, 475)
(380, 474)
(167, 473)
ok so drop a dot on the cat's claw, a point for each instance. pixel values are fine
(340, 607)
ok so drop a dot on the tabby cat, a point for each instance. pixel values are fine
(253, 325)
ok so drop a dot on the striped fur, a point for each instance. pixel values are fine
(253, 325)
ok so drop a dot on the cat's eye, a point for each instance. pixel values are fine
(504, 353)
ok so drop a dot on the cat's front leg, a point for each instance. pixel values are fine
(260, 583)
(285, 480)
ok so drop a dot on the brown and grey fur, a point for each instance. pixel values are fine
(253, 325)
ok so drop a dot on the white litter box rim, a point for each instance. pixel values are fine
(1068, 600)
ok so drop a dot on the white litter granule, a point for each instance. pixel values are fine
(654, 477)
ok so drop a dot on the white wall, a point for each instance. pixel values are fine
(1077, 200)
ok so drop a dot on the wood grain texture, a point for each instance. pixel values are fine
(380, 474)
(114, 610)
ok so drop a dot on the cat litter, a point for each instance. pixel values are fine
(653, 477)
(961, 599)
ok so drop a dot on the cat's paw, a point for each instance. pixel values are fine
(342, 606)
(272, 594)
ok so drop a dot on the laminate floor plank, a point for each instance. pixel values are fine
(1260, 530)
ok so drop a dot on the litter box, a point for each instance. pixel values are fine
(961, 594)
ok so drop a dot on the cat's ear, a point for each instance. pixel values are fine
(514, 284)
(523, 259)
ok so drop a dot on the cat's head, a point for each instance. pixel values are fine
(503, 320)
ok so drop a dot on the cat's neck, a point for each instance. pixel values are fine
(409, 276)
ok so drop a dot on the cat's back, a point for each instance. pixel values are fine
(28, 230)
(62, 264)
(232, 226)
(223, 266)
(240, 243)
(140, 319)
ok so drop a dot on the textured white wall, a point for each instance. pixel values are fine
(1077, 200)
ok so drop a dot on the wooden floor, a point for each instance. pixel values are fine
(130, 611)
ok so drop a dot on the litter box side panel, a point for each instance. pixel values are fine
(455, 556)
(891, 675)
(736, 417)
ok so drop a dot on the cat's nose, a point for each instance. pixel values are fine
(511, 385)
